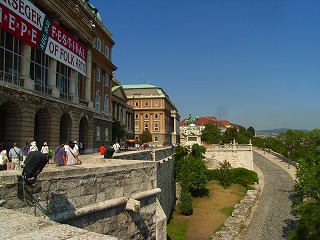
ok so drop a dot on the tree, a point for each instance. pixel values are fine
(229, 135)
(210, 134)
(145, 137)
(197, 150)
(225, 174)
(251, 132)
(118, 130)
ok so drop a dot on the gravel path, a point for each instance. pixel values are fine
(272, 217)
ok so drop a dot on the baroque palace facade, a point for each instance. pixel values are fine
(154, 111)
(56, 75)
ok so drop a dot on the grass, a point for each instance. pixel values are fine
(209, 213)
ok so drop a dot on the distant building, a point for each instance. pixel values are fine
(155, 111)
(185, 129)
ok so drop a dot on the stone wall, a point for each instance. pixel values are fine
(238, 155)
(125, 199)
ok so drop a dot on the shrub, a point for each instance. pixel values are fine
(244, 176)
(186, 203)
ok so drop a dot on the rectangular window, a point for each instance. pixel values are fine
(99, 44)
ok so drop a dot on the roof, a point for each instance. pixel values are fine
(139, 86)
(203, 120)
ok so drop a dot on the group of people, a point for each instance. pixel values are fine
(109, 151)
(63, 155)
(67, 154)
(15, 158)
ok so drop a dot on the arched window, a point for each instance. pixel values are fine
(156, 139)
(98, 102)
(146, 127)
(98, 76)
(106, 106)
(156, 104)
(146, 116)
(156, 127)
(156, 116)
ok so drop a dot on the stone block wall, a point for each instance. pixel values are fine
(238, 155)
(95, 195)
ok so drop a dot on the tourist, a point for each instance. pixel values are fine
(109, 152)
(71, 155)
(15, 154)
(116, 147)
(102, 149)
(60, 155)
(25, 152)
(33, 147)
(4, 161)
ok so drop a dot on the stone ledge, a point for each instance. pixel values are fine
(234, 223)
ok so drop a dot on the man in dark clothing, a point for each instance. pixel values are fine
(109, 152)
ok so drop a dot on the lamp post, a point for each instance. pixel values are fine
(288, 159)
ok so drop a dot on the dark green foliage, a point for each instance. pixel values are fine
(244, 176)
(251, 132)
(185, 204)
(308, 227)
(225, 174)
(197, 173)
(229, 135)
(197, 151)
(118, 130)
(241, 176)
(180, 154)
(145, 137)
(210, 134)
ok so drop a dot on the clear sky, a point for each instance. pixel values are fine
(252, 62)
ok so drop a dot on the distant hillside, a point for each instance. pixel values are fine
(277, 131)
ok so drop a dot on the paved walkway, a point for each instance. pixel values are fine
(272, 216)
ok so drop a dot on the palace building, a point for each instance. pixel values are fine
(154, 111)
(56, 74)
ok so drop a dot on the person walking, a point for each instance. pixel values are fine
(15, 154)
(45, 149)
(33, 147)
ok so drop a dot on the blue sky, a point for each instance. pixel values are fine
(255, 63)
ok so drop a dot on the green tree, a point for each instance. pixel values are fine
(251, 132)
(197, 150)
(145, 137)
(118, 130)
(225, 174)
(229, 135)
(210, 134)
(197, 173)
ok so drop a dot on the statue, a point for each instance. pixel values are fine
(192, 120)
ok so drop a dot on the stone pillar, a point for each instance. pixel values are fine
(89, 79)
(25, 66)
(52, 78)
(73, 85)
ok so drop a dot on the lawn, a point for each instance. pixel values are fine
(209, 213)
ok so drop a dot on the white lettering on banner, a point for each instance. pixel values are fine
(67, 57)
(62, 37)
(26, 10)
